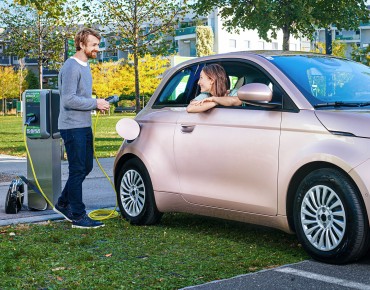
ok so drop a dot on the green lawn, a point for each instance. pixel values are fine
(183, 250)
(107, 140)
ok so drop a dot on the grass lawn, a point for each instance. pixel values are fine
(106, 138)
(183, 250)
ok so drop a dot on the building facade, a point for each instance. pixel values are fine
(359, 38)
(224, 41)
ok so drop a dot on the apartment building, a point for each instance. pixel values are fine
(224, 41)
(359, 37)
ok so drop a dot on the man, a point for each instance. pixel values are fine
(76, 103)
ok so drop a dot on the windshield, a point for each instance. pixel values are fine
(327, 81)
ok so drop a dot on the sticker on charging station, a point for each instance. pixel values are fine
(33, 132)
(33, 106)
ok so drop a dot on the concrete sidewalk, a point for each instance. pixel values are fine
(97, 191)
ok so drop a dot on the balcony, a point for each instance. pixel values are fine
(354, 37)
(110, 58)
(185, 31)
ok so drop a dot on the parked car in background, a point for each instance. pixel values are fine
(121, 109)
(296, 157)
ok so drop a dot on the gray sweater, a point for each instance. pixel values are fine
(76, 102)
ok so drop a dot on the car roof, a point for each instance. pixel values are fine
(251, 54)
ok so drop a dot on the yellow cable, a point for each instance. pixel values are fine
(99, 214)
(103, 214)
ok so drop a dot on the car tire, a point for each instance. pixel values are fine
(135, 194)
(330, 218)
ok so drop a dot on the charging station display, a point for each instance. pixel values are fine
(32, 102)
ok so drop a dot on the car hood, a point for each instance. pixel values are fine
(353, 122)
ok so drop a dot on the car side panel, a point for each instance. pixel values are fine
(154, 147)
(305, 140)
(230, 159)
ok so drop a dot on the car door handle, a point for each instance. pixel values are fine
(187, 128)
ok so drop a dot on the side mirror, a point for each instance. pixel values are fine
(256, 94)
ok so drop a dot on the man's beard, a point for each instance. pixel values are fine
(91, 54)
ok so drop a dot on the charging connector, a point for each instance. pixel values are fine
(112, 99)
(30, 118)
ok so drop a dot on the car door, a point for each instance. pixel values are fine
(227, 158)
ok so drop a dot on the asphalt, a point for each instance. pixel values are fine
(97, 191)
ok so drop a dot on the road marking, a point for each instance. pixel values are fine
(327, 279)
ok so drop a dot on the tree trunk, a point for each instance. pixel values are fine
(137, 81)
(286, 37)
(40, 54)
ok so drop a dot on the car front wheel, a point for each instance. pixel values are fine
(135, 194)
(330, 219)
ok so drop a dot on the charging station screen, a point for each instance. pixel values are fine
(33, 106)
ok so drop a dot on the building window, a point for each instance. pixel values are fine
(247, 44)
(260, 45)
(232, 43)
(275, 45)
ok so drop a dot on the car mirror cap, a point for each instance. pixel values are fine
(128, 128)
(255, 92)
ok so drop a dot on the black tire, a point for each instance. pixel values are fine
(330, 218)
(135, 194)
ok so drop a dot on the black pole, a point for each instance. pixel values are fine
(328, 41)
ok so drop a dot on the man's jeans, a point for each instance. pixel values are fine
(79, 148)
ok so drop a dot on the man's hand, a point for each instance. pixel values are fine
(102, 105)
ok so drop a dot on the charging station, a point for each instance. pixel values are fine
(41, 112)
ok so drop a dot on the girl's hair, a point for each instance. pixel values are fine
(82, 36)
(218, 75)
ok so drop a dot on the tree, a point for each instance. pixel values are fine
(118, 77)
(293, 17)
(339, 48)
(138, 26)
(32, 80)
(361, 54)
(38, 31)
(8, 84)
(22, 74)
(204, 44)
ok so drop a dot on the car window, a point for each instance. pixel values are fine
(241, 73)
(180, 89)
(324, 79)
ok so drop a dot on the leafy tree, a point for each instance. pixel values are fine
(38, 31)
(293, 17)
(204, 44)
(54, 8)
(32, 80)
(8, 84)
(338, 48)
(361, 54)
(118, 77)
(108, 78)
(138, 26)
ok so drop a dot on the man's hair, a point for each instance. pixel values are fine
(83, 34)
(220, 82)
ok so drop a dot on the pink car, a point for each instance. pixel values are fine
(295, 156)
